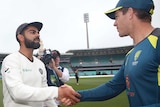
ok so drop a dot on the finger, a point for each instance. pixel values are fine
(66, 102)
(74, 99)
(64, 86)
(63, 100)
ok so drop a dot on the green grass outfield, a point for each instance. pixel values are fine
(86, 83)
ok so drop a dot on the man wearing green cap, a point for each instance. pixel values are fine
(140, 72)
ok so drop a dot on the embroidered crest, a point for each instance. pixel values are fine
(136, 56)
(40, 70)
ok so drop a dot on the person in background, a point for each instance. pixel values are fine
(77, 76)
(140, 72)
(24, 75)
(56, 74)
(62, 72)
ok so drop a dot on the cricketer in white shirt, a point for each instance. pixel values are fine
(25, 83)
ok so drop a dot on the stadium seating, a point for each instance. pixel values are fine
(89, 62)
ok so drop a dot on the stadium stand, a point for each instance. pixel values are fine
(97, 61)
(90, 62)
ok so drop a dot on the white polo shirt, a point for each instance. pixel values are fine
(25, 83)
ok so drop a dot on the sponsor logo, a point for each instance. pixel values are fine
(26, 70)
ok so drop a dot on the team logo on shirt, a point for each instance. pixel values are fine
(40, 70)
(136, 56)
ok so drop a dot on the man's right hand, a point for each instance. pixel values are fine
(67, 92)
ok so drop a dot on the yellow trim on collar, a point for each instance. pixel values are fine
(153, 40)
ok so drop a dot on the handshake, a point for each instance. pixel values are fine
(68, 96)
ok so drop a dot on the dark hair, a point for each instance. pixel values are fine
(56, 52)
(124, 10)
(142, 15)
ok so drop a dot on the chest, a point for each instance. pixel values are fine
(32, 74)
(141, 61)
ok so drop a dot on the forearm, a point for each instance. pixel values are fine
(12, 82)
(50, 103)
(102, 92)
(105, 91)
(26, 93)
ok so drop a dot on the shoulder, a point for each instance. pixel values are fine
(64, 69)
(156, 32)
(12, 57)
(12, 60)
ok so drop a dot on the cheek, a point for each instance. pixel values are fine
(57, 59)
(122, 24)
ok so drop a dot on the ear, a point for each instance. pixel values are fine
(131, 13)
(20, 37)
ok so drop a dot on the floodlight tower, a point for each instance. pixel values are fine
(86, 20)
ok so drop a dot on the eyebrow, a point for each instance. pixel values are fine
(34, 30)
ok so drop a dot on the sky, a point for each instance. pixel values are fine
(63, 23)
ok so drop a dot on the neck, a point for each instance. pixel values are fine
(27, 53)
(140, 32)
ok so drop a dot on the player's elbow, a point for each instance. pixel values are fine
(17, 98)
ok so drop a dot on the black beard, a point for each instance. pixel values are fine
(31, 44)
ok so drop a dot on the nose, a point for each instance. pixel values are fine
(115, 23)
(38, 34)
